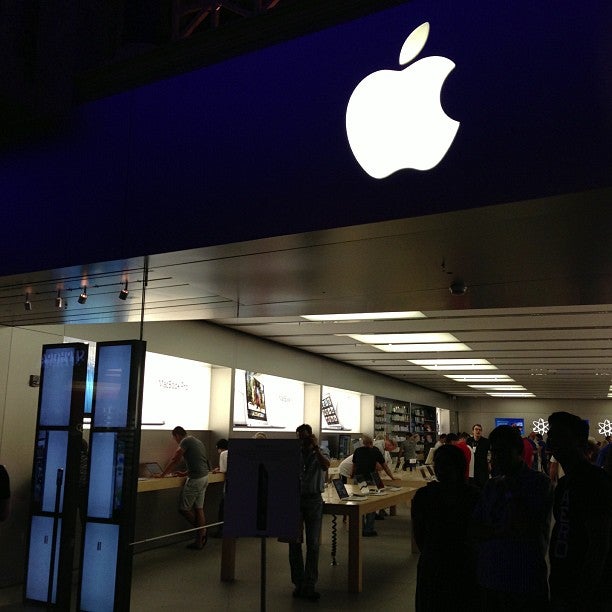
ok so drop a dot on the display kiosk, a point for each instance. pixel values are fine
(106, 555)
(55, 475)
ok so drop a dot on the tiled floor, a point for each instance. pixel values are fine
(174, 578)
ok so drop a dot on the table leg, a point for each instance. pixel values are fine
(354, 550)
(228, 559)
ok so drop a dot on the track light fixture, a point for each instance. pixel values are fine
(58, 300)
(27, 304)
(124, 292)
(83, 297)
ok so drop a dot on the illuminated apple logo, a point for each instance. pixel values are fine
(394, 118)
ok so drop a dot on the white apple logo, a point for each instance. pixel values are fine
(394, 118)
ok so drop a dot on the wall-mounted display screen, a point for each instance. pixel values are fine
(512, 421)
(177, 387)
(263, 401)
(340, 410)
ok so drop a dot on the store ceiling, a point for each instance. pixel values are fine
(538, 304)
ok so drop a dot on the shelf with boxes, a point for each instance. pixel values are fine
(397, 419)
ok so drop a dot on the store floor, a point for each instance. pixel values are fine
(174, 578)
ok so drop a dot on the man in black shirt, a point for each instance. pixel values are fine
(365, 460)
(581, 544)
(481, 447)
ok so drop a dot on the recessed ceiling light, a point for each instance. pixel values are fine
(366, 316)
(479, 377)
(453, 364)
(429, 347)
(499, 387)
(403, 338)
(525, 394)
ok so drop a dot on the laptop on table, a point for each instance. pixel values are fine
(344, 495)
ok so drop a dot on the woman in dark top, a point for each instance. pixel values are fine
(441, 515)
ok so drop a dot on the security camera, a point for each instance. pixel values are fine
(458, 287)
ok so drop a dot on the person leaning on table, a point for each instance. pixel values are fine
(365, 460)
(193, 452)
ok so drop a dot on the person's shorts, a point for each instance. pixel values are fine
(193, 493)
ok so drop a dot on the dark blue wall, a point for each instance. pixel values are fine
(256, 146)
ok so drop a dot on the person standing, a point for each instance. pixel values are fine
(441, 514)
(315, 462)
(581, 543)
(455, 440)
(191, 504)
(511, 526)
(222, 445)
(5, 494)
(365, 459)
(481, 448)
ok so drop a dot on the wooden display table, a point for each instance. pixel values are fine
(171, 482)
(355, 511)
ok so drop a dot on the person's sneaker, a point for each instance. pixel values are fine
(297, 592)
(310, 594)
(369, 534)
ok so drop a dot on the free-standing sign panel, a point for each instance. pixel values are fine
(263, 488)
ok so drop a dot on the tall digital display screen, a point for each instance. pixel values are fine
(55, 474)
(106, 553)
(112, 385)
(58, 365)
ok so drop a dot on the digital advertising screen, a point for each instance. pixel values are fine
(512, 421)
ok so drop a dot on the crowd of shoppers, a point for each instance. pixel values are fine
(493, 537)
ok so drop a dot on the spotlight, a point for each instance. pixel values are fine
(124, 292)
(83, 297)
(27, 304)
(58, 300)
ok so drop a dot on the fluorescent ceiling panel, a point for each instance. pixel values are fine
(499, 387)
(527, 394)
(366, 316)
(435, 337)
(430, 347)
(448, 362)
(479, 377)
(453, 364)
